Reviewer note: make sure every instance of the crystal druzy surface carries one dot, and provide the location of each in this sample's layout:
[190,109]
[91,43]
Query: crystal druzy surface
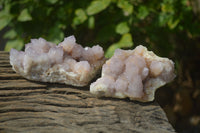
[133,73]
[67,62]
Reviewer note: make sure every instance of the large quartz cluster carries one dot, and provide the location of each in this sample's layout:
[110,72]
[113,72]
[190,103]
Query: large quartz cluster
[67,62]
[133,73]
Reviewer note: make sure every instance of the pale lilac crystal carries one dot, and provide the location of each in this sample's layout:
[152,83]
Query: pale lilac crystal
[77,52]
[55,54]
[66,63]
[156,67]
[98,52]
[82,67]
[135,74]
[68,43]
[16,58]
[121,84]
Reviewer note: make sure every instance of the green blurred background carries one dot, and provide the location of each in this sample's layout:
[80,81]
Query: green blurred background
[170,28]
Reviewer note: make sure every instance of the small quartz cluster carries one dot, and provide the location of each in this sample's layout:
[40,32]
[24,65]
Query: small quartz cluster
[133,73]
[67,62]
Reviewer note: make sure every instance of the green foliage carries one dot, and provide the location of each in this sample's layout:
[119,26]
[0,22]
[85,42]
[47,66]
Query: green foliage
[125,42]
[12,44]
[142,12]
[97,6]
[51,1]
[126,7]
[91,22]
[11,34]
[24,16]
[122,28]
[5,17]
[56,34]
[110,23]
[80,17]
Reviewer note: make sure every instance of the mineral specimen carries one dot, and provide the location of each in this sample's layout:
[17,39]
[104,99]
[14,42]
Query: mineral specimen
[133,73]
[67,63]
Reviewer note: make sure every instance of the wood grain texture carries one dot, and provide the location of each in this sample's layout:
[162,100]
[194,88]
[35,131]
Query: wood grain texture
[35,107]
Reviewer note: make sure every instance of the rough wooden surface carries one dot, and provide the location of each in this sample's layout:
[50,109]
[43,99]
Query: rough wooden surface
[34,107]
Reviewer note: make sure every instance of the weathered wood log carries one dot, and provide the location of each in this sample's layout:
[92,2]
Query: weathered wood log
[27,106]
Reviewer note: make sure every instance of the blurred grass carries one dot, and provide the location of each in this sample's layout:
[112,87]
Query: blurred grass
[171,28]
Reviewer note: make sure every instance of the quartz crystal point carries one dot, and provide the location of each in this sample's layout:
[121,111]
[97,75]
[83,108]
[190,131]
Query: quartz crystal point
[133,73]
[67,62]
